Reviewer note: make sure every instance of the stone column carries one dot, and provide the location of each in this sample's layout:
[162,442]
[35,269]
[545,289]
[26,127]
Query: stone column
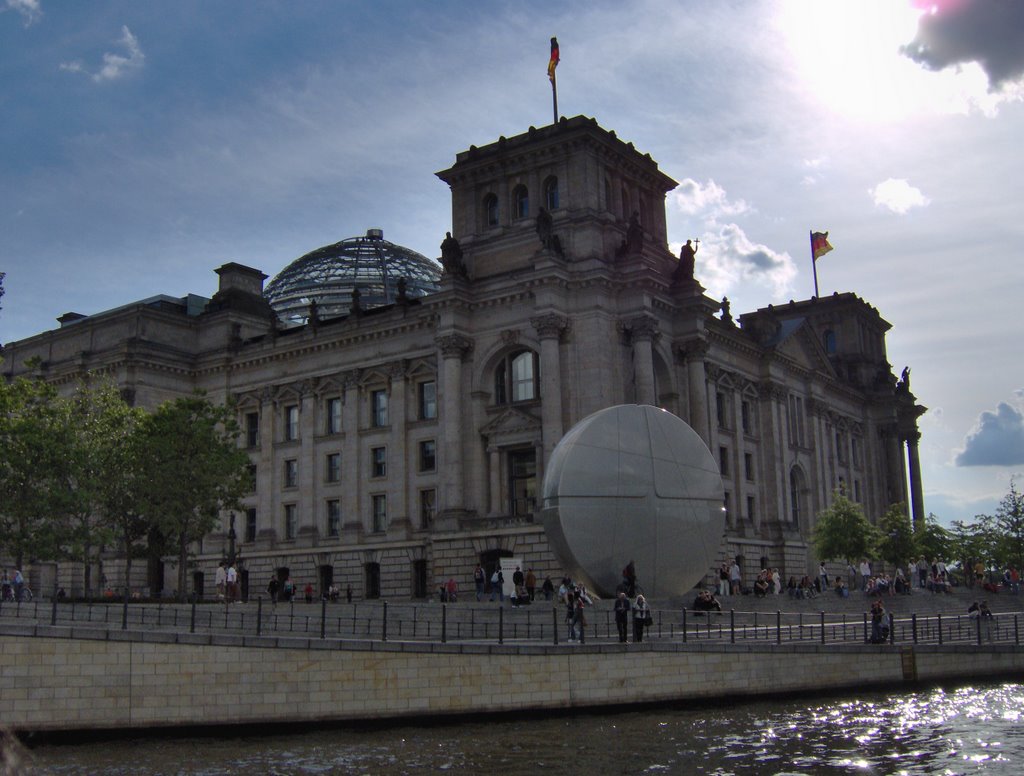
[307,506]
[643,332]
[454,349]
[398,454]
[694,351]
[494,500]
[549,329]
[916,488]
[352,475]
[267,508]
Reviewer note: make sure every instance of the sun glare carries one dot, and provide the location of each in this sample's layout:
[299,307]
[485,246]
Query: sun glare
[847,54]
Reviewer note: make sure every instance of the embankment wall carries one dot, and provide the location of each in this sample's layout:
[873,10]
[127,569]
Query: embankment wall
[56,679]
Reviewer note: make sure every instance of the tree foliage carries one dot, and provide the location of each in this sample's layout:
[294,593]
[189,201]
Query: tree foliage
[842,531]
[1008,526]
[896,540]
[934,542]
[191,468]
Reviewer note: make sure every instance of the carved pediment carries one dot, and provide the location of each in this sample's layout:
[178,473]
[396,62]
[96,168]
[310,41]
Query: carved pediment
[802,347]
[511,422]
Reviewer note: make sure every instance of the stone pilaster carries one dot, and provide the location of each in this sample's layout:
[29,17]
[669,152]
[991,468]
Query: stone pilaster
[643,331]
[454,349]
[550,328]
[694,351]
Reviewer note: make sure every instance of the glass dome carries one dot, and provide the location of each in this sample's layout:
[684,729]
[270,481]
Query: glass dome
[328,276]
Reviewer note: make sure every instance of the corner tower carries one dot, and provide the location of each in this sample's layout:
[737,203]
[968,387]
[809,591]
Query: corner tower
[572,189]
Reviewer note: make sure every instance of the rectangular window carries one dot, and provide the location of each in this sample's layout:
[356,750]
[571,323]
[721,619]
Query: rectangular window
[855,450]
[522,481]
[750,508]
[379,408]
[333,413]
[721,411]
[745,417]
[379,462]
[748,465]
[380,513]
[333,517]
[291,422]
[252,477]
[250,524]
[841,447]
[796,420]
[428,400]
[428,456]
[428,504]
[723,461]
[252,429]
[333,470]
[291,473]
[290,521]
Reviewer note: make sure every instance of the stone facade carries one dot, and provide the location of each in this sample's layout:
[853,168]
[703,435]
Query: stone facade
[398,446]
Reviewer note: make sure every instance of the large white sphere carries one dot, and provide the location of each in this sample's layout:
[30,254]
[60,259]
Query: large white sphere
[634,483]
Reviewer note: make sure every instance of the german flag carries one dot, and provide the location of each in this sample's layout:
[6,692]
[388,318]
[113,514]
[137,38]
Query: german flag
[553,62]
[819,244]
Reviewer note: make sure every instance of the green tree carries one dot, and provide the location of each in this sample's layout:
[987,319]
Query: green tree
[192,467]
[896,541]
[33,438]
[97,469]
[934,541]
[842,531]
[2,276]
[1008,528]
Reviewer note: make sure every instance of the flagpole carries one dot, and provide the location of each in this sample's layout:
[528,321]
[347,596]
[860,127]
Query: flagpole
[554,99]
[814,264]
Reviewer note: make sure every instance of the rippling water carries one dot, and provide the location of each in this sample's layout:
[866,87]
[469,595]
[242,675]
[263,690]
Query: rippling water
[976,729]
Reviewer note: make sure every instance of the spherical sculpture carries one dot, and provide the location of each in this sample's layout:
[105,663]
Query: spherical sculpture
[634,483]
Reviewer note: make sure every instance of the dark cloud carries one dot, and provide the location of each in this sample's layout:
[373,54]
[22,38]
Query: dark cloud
[989,32]
[998,439]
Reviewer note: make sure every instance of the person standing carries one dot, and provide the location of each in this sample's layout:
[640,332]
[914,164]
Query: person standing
[231,583]
[518,583]
[531,584]
[823,576]
[723,578]
[622,608]
[478,581]
[641,616]
[548,588]
[272,587]
[580,618]
[220,579]
[735,577]
[498,585]
[865,574]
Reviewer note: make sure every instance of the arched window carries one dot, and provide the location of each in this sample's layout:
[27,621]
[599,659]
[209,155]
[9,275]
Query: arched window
[516,378]
[797,491]
[520,202]
[551,193]
[491,210]
[830,342]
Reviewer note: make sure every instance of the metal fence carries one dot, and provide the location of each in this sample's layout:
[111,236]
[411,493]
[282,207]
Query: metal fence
[433,622]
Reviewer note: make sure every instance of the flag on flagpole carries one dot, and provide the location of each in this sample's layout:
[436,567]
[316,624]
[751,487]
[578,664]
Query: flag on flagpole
[553,62]
[819,244]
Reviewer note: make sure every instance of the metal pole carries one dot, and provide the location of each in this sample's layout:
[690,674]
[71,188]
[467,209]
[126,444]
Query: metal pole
[554,623]
[732,626]
[192,623]
[778,626]
[913,627]
[259,615]
[124,611]
[501,625]
[977,623]
[554,100]
[444,623]
[892,629]
[939,618]
[823,627]
[684,624]
[384,625]
[323,617]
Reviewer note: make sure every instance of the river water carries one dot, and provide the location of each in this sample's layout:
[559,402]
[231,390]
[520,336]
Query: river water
[955,730]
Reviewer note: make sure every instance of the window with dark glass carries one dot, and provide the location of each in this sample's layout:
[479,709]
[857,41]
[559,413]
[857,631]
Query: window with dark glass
[522,471]
[380,513]
[250,524]
[516,378]
[428,455]
[795,494]
[252,477]
[373,580]
[333,517]
[291,473]
[830,342]
[750,507]
[290,521]
[491,210]
[748,465]
[379,407]
[333,412]
[333,470]
[252,429]
[723,461]
[428,400]
[551,193]
[520,202]
[291,422]
[379,462]
[745,417]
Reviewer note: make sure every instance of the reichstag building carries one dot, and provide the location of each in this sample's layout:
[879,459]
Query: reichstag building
[399,411]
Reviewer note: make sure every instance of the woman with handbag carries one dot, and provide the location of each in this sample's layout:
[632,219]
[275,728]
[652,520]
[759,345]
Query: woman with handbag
[641,617]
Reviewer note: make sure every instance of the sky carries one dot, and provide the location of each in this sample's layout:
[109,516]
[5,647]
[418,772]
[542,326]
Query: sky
[142,145]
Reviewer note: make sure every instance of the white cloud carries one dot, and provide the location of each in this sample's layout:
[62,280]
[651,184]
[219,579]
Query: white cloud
[728,259]
[114,65]
[996,440]
[705,199]
[898,196]
[30,10]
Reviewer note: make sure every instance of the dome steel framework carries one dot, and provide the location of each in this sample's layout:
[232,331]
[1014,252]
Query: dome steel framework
[329,275]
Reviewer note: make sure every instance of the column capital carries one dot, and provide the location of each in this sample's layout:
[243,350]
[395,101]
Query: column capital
[454,345]
[350,378]
[642,327]
[396,369]
[692,350]
[550,325]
